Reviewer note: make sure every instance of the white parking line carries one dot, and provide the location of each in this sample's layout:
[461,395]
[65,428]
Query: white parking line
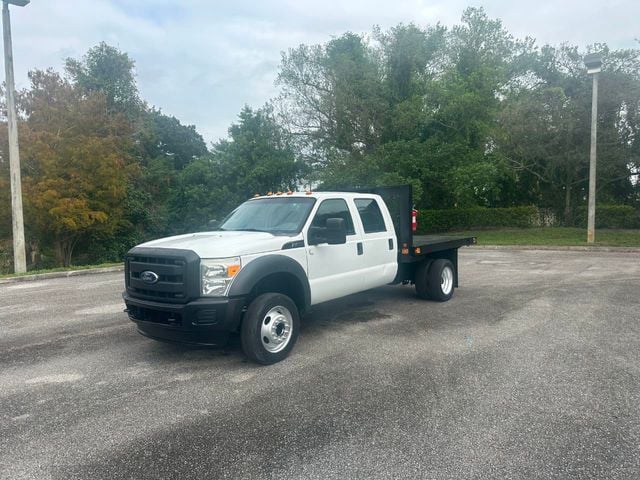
[25,285]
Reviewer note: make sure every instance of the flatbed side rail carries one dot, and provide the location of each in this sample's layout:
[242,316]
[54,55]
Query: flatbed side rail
[425,245]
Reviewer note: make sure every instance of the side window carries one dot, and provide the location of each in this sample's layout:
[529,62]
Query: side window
[371,216]
[334,208]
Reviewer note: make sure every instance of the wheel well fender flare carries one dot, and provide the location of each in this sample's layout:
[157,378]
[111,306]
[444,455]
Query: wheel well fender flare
[260,268]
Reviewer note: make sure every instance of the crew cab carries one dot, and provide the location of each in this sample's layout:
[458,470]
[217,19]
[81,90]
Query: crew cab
[273,258]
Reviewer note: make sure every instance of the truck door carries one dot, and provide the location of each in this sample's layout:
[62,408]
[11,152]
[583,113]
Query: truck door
[334,270]
[380,258]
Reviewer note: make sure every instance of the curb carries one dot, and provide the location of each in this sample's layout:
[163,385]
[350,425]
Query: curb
[120,268]
[68,273]
[559,248]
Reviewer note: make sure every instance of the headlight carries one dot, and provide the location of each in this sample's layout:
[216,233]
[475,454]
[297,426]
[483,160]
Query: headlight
[216,275]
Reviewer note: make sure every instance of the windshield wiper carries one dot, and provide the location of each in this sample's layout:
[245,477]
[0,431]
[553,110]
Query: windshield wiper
[246,230]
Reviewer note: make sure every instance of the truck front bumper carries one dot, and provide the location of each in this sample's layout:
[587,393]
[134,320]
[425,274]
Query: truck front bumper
[204,321]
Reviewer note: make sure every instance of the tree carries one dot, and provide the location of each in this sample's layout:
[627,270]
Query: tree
[161,144]
[546,125]
[198,196]
[334,95]
[418,106]
[107,70]
[257,158]
[463,102]
[411,57]
[164,136]
[344,104]
[74,157]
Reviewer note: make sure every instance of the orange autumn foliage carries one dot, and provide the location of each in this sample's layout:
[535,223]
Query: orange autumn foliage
[75,156]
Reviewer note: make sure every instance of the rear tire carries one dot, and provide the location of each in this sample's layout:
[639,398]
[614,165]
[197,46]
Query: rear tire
[270,328]
[420,279]
[435,280]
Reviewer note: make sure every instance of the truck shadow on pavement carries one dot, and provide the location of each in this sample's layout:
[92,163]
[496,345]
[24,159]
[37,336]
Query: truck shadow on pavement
[358,308]
[385,312]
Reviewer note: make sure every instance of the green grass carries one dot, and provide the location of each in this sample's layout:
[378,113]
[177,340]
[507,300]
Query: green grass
[554,236]
[60,269]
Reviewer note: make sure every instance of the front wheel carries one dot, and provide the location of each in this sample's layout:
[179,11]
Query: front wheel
[435,280]
[270,328]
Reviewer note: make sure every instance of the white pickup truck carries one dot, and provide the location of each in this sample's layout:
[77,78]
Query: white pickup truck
[274,257]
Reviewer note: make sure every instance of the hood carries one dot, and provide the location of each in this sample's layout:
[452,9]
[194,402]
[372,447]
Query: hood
[222,244]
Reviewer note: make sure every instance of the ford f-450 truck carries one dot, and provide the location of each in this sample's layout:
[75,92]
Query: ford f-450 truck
[274,257]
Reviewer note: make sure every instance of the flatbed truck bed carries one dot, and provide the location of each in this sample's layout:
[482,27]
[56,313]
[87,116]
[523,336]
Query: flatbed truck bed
[426,244]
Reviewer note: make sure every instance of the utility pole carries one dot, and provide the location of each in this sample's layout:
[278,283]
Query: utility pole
[19,255]
[593,63]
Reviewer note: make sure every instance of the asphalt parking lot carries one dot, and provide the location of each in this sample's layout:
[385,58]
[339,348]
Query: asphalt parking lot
[532,370]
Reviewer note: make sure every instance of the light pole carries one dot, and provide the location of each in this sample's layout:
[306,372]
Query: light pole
[19,256]
[593,62]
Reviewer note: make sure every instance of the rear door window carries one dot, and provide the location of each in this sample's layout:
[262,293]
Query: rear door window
[370,214]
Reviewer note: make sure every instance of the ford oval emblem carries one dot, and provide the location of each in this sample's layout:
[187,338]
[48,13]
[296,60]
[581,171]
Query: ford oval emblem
[149,277]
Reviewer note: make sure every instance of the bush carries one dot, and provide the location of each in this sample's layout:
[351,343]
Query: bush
[430,221]
[609,216]
[6,256]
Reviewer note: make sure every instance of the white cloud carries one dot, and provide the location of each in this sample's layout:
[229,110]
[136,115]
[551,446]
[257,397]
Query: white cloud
[202,61]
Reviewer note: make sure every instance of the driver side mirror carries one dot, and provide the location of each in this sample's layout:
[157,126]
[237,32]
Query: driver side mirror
[336,231]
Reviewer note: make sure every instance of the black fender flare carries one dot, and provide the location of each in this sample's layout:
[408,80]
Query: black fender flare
[261,267]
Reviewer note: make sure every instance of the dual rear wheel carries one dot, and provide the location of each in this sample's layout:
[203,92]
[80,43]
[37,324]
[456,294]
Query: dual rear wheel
[435,280]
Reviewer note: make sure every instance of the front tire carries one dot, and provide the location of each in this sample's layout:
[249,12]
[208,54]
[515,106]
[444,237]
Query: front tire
[435,280]
[270,328]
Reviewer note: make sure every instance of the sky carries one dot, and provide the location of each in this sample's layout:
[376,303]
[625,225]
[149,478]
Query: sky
[202,61]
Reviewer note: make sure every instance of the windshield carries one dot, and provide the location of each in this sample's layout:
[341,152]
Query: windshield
[280,216]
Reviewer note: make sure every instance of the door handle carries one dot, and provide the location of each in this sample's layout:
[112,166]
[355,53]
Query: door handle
[360,249]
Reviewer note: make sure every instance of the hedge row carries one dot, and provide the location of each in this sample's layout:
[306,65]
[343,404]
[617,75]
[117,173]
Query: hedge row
[607,216]
[430,221]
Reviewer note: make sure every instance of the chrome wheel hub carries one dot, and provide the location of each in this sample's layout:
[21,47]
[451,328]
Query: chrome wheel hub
[275,331]
[446,280]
